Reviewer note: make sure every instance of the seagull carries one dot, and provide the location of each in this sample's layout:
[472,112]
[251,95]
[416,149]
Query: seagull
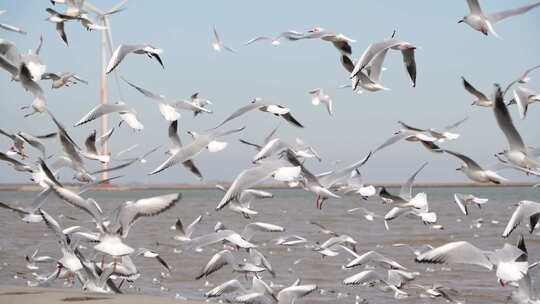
[291,240]
[481,99]
[355,185]
[177,146]
[523,79]
[168,110]
[484,23]
[518,153]
[153,255]
[288,35]
[223,258]
[127,114]
[30,214]
[370,81]
[440,136]
[69,260]
[526,211]
[63,79]
[217,44]
[290,294]
[184,235]
[32,260]
[91,150]
[242,204]
[258,287]
[257,103]
[523,97]
[393,281]
[318,96]
[510,262]
[253,176]
[125,49]
[340,41]
[191,150]
[276,145]
[412,135]
[24,68]
[199,102]
[463,200]
[17,165]
[474,172]
[21,138]
[440,291]
[370,54]
[11,28]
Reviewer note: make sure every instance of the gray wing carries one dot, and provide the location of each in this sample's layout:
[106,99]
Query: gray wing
[474,7]
[13,161]
[473,90]
[12,28]
[145,92]
[410,63]
[90,143]
[185,153]
[406,189]
[523,78]
[394,139]
[33,141]
[504,120]
[119,55]
[246,179]
[339,175]
[371,52]
[496,17]
[456,124]
[102,109]
[455,252]
[243,110]
[173,134]
[347,63]
[467,160]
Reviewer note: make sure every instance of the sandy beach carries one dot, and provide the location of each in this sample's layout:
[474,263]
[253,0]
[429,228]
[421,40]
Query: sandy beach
[34,295]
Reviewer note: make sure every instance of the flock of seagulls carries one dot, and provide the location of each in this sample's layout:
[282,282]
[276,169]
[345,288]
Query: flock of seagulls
[107,258]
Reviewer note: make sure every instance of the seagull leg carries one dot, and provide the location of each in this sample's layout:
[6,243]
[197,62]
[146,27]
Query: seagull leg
[102,261]
[121,283]
[317,201]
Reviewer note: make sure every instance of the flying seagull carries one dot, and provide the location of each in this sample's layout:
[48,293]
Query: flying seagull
[483,23]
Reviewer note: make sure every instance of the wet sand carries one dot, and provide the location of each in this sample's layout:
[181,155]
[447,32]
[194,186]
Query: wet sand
[35,295]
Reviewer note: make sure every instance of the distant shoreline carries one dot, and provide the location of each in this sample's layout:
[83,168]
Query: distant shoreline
[210,186]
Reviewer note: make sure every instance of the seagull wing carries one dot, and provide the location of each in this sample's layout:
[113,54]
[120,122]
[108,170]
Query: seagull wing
[217,261]
[496,17]
[250,107]
[504,120]
[102,109]
[474,7]
[456,252]
[290,294]
[119,55]
[406,189]
[467,160]
[156,205]
[473,90]
[459,199]
[145,92]
[227,287]
[251,228]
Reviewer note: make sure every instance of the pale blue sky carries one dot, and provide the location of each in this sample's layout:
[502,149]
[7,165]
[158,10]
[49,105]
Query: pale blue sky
[283,75]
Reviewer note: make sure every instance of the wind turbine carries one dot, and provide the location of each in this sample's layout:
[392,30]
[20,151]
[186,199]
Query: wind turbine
[106,52]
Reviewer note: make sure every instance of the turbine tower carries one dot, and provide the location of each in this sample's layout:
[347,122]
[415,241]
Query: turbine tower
[106,52]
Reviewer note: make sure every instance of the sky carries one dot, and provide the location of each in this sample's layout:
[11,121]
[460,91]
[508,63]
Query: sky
[283,75]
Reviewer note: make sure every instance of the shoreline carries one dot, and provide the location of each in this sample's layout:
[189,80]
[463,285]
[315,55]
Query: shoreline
[41,295]
[211,186]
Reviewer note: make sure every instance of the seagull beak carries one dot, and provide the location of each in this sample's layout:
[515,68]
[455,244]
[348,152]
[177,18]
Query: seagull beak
[460,21]
[458,169]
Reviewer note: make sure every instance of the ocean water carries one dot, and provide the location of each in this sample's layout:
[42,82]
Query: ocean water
[292,209]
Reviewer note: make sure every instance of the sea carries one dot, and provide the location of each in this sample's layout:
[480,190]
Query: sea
[292,209]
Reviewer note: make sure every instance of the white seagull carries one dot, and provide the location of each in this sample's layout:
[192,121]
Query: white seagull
[483,23]
[124,49]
